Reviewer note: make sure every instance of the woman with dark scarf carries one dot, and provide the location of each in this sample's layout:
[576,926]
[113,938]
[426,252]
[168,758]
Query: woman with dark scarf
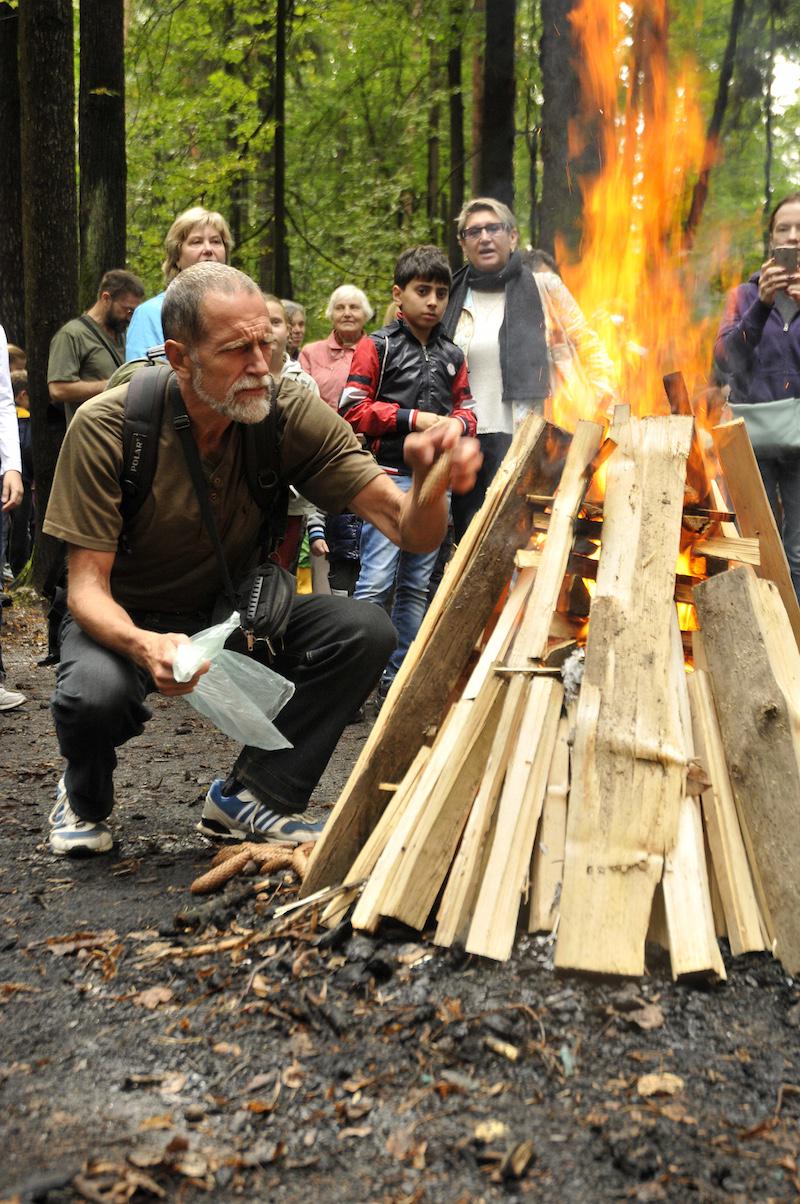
[510,325]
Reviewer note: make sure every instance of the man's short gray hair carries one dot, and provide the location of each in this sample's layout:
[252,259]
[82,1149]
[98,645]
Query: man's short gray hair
[349,292]
[181,315]
[503,212]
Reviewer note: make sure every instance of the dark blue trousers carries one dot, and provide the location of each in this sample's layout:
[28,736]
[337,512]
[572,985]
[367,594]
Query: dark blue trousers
[334,651]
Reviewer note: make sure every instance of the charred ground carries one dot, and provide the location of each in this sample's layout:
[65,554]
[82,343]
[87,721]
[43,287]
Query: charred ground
[155,1045]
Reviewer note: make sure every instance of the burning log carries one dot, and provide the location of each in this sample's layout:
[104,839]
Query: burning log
[757,696]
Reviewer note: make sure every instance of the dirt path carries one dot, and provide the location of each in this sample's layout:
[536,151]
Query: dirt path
[157,1051]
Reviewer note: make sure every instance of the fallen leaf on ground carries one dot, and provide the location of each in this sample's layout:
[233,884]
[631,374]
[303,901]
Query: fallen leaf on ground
[293,1076]
[152,997]
[490,1130]
[145,1156]
[363,1131]
[61,946]
[678,1113]
[259,986]
[172,1084]
[659,1084]
[191,1164]
[7,989]
[162,1121]
[646,1017]
[401,1143]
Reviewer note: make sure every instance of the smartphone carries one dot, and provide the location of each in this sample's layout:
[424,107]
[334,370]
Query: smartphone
[786,257]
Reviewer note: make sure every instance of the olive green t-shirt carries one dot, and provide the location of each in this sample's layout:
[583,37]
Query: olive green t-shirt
[171,565]
[78,352]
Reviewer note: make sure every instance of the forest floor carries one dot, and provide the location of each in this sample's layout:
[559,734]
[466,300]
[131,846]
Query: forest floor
[157,1047]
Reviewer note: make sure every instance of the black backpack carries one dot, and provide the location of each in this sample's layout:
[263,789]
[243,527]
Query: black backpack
[144,409]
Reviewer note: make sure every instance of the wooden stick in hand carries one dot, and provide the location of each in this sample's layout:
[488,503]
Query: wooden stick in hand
[437,480]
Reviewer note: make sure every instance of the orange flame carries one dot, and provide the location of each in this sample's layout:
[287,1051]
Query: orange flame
[633,281]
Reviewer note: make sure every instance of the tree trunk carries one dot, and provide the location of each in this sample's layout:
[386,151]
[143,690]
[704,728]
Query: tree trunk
[434,139]
[700,190]
[101,126]
[768,120]
[50,220]
[498,127]
[265,155]
[12,294]
[238,179]
[560,208]
[479,10]
[457,151]
[282,281]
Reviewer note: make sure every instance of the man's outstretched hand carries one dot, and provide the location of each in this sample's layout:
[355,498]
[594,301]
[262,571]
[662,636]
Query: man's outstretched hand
[423,448]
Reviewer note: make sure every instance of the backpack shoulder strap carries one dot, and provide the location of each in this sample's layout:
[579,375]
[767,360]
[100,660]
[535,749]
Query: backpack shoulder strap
[141,428]
[262,462]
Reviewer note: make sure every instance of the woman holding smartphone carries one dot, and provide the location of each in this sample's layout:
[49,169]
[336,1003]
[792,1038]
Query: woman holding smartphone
[757,354]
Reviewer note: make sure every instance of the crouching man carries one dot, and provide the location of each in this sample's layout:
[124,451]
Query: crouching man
[133,600]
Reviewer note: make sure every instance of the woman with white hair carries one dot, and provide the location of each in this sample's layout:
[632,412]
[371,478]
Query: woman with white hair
[328,360]
[195,236]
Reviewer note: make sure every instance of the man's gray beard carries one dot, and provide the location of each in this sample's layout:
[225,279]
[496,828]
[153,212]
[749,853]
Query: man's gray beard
[250,411]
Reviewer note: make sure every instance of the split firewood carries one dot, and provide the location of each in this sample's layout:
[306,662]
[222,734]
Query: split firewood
[693,946]
[547,864]
[757,701]
[267,858]
[417,856]
[474,580]
[530,642]
[629,762]
[458,899]
[376,842]
[728,855]
[494,920]
[754,515]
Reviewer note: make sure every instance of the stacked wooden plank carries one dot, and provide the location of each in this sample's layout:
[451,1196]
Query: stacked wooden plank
[653,802]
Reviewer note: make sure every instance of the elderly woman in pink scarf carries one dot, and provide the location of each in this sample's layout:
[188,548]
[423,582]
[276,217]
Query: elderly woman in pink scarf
[328,360]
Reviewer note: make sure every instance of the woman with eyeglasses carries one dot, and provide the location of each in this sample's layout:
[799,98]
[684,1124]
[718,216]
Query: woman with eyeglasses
[508,322]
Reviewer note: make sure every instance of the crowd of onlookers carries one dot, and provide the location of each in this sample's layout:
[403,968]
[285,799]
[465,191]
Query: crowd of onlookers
[480,349]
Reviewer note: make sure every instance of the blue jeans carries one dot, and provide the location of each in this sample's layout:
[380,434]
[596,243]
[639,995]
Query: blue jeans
[383,565]
[466,505]
[781,477]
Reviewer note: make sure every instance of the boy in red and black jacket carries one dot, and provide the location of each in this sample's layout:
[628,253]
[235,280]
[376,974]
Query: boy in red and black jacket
[405,378]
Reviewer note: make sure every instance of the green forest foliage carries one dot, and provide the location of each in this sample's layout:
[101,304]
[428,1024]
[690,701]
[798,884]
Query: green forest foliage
[366,94]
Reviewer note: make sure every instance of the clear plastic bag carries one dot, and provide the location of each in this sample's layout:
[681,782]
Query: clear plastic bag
[237,694]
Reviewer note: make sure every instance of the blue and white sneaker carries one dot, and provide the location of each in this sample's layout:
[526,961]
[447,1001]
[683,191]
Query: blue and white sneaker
[238,816]
[71,836]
